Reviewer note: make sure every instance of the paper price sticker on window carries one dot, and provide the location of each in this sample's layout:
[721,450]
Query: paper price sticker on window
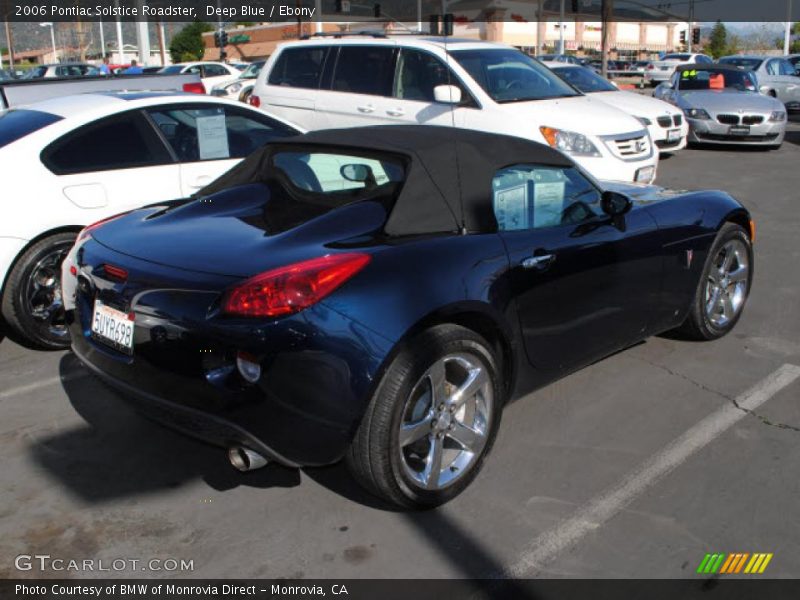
[548,203]
[212,137]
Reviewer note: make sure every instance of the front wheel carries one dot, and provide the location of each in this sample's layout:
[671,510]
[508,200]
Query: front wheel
[431,421]
[724,286]
[32,304]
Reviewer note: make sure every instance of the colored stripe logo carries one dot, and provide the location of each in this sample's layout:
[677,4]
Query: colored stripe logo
[735,563]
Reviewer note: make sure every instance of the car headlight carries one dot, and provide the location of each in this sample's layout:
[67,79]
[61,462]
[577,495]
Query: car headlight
[696,113]
[234,87]
[777,115]
[644,121]
[570,142]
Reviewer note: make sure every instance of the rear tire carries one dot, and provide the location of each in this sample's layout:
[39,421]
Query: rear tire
[32,304]
[420,443]
[723,287]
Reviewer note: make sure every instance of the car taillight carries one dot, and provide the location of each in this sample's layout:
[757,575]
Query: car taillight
[255,100]
[86,231]
[290,289]
[196,87]
[650,67]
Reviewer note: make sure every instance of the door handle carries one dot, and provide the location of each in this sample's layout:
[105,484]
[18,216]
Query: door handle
[540,262]
[366,108]
[395,112]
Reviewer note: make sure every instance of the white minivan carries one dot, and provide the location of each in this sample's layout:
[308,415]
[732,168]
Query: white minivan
[324,83]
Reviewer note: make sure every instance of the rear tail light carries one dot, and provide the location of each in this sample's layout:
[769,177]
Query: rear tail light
[255,100]
[650,67]
[290,289]
[87,231]
[196,87]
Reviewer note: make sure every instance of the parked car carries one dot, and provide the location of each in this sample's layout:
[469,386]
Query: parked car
[777,77]
[85,157]
[659,71]
[723,106]
[322,84]
[795,60]
[665,123]
[562,58]
[242,87]
[6,75]
[379,294]
[211,73]
[61,70]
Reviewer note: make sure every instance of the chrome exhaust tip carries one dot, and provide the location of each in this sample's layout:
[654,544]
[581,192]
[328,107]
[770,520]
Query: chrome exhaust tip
[244,459]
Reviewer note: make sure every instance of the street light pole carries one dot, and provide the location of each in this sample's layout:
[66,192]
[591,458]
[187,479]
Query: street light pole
[690,33]
[787,41]
[561,30]
[52,38]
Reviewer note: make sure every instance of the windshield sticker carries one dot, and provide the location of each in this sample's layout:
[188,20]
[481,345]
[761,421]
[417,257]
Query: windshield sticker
[548,203]
[511,208]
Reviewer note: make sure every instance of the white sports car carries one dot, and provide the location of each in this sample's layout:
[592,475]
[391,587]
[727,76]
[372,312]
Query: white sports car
[79,159]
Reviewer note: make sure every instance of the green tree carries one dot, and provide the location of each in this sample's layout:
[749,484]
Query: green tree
[187,45]
[794,47]
[718,41]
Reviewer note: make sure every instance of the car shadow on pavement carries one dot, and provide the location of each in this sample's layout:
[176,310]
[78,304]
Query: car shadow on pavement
[120,453]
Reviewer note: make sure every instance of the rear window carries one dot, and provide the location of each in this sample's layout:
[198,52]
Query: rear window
[745,63]
[17,123]
[299,67]
[172,70]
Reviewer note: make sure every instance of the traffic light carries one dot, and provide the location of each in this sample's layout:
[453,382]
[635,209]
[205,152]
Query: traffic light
[448,24]
[696,35]
[435,23]
[221,38]
[574,6]
[683,37]
[377,11]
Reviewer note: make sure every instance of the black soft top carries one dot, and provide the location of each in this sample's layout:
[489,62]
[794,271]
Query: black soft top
[449,170]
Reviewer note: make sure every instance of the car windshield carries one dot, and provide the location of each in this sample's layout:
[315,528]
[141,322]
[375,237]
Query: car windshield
[585,79]
[172,70]
[251,72]
[17,123]
[35,73]
[717,79]
[510,76]
[677,57]
[746,63]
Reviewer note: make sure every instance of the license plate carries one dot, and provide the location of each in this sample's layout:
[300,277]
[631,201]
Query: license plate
[112,327]
[739,130]
[673,135]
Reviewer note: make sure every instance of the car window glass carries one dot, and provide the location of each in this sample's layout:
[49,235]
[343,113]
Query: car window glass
[120,142]
[533,197]
[418,73]
[16,123]
[299,67]
[585,79]
[194,70]
[215,71]
[215,133]
[786,68]
[704,59]
[352,74]
[322,172]
[773,67]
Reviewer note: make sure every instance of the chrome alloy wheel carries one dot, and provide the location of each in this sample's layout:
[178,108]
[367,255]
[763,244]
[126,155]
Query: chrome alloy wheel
[446,421]
[42,292]
[726,288]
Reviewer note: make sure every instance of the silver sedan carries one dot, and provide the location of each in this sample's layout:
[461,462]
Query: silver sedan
[776,76]
[723,106]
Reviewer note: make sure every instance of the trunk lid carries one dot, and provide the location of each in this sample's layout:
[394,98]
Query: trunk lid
[237,232]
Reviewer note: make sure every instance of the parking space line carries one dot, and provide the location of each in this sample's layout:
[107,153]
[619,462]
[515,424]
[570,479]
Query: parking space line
[23,389]
[604,507]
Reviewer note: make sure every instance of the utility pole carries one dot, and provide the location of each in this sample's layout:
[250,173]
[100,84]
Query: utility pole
[161,46]
[561,30]
[102,40]
[690,33]
[787,41]
[606,12]
[120,46]
[10,40]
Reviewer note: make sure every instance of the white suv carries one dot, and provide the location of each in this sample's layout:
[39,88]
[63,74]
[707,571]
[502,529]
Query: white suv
[325,83]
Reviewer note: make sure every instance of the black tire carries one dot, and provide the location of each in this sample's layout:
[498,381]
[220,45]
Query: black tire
[374,457]
[17,295]
[699,325]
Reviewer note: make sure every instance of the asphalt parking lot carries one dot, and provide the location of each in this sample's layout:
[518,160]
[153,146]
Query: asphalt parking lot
[634,467]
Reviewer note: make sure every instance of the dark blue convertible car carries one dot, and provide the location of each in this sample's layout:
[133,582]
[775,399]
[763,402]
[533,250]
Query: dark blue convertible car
[379,294]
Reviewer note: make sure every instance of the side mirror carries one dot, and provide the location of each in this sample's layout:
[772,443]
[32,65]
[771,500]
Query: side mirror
[447,94]
[615,204]
[356,172]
